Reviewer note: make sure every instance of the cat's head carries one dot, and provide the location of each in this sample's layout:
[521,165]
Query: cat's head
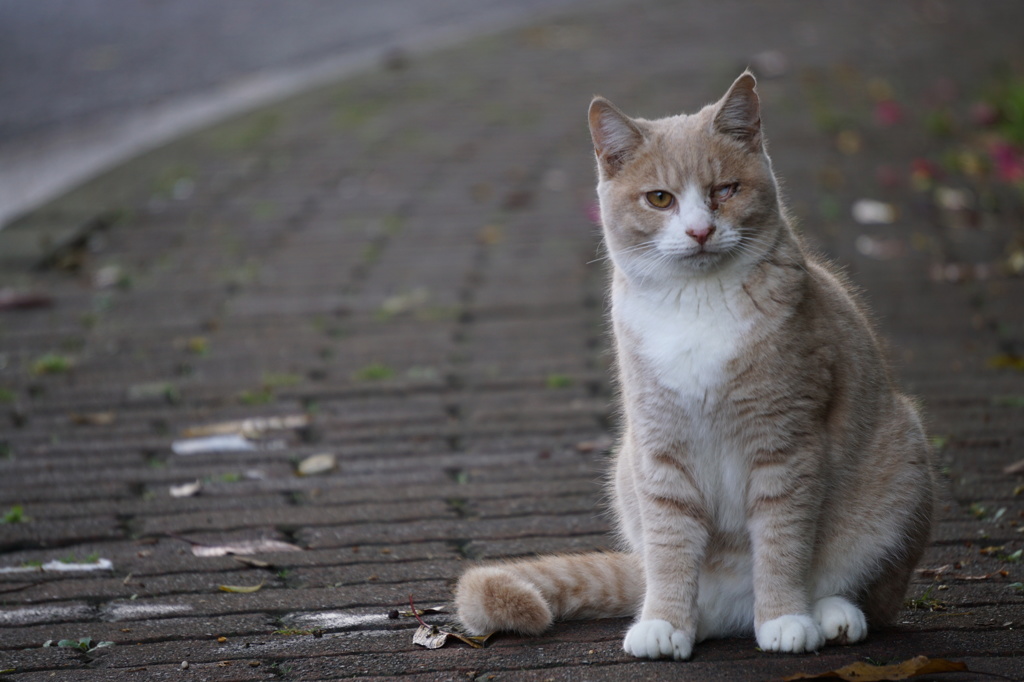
[687,195]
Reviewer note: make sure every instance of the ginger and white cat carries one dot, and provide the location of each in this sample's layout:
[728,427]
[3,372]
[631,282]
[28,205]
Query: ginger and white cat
[770,478]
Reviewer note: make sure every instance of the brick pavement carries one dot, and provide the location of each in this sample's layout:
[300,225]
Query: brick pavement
[405,257]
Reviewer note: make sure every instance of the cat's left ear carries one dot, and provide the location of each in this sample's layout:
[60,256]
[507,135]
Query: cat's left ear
[739,112]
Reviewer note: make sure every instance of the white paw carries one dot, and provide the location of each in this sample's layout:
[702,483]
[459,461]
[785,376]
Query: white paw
[657,639]
[793,634]
[842,622]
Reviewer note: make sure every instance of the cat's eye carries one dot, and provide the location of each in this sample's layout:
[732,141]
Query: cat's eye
[723,192]
[659,198]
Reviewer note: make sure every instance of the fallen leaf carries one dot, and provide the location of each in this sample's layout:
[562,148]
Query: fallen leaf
[598,445]
[107,276]
[865,672]
[873,212]
[430,636]
[1006,361]
[93,418]
[15,300]
[475,641]
[422,612]
[241,589]
[186,489]
[225,443]
[244,547]
[1015,468]
[249,427]
[255,563]
[879,249]
[317,464]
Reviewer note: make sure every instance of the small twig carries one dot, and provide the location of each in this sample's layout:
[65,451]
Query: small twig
[414,613]
[22,587]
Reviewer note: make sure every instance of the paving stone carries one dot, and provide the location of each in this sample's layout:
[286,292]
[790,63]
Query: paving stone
[409,258]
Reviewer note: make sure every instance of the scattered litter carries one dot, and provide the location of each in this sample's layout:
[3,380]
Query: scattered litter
[94,418]
[1015,468]
[241,589]
[250,428]
[866,672]
[244,547]
[433,637]
[186,489]
[107,276]
[225,443]
[23,300]
[943,572]
[317,464]
[403,303]
[57,566]
[601,444]
[873,212]
[952,199]
[879,249]
[420,612]
[430,636]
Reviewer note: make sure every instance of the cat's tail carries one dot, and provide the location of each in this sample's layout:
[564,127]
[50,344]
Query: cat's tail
[527,596]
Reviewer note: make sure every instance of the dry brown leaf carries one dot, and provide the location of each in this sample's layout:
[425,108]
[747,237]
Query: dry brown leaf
[242,589]
[93,418]
[475,641]
[865,672]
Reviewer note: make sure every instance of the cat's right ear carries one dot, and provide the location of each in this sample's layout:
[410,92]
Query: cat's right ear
[615,136]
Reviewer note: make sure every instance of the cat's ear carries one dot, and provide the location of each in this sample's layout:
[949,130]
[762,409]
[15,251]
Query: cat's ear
[739,112]
[616,136]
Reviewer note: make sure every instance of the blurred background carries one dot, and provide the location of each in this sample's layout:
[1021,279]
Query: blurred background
[363,236]
[86,84]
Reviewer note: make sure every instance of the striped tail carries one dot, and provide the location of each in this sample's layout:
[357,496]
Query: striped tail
[527,596]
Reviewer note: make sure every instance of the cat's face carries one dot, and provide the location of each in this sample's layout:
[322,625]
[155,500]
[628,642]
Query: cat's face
[687,195]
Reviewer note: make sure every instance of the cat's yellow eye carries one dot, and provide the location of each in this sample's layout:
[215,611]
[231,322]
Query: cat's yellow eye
[659,198]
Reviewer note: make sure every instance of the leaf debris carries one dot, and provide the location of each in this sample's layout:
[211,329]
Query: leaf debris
[866,672]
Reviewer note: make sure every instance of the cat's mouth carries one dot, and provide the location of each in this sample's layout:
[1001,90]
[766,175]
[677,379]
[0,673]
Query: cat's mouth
[696,254]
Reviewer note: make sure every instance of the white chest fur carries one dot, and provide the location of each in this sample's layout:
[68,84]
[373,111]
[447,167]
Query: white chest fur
[686,336]
[687,339]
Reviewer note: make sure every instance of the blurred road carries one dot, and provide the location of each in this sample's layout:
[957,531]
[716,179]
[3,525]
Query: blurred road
[85,84]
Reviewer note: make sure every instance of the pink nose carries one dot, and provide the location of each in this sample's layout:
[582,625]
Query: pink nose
[701,234]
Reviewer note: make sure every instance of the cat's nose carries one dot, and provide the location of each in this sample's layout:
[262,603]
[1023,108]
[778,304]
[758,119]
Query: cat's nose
[701,234]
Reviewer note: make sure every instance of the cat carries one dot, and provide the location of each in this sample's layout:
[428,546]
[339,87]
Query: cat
[770,479]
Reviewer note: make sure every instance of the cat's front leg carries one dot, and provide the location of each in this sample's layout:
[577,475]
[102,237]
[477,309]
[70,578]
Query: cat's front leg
[675,526]
[783,504]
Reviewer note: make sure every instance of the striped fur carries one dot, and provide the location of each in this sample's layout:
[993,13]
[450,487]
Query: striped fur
[770,479]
